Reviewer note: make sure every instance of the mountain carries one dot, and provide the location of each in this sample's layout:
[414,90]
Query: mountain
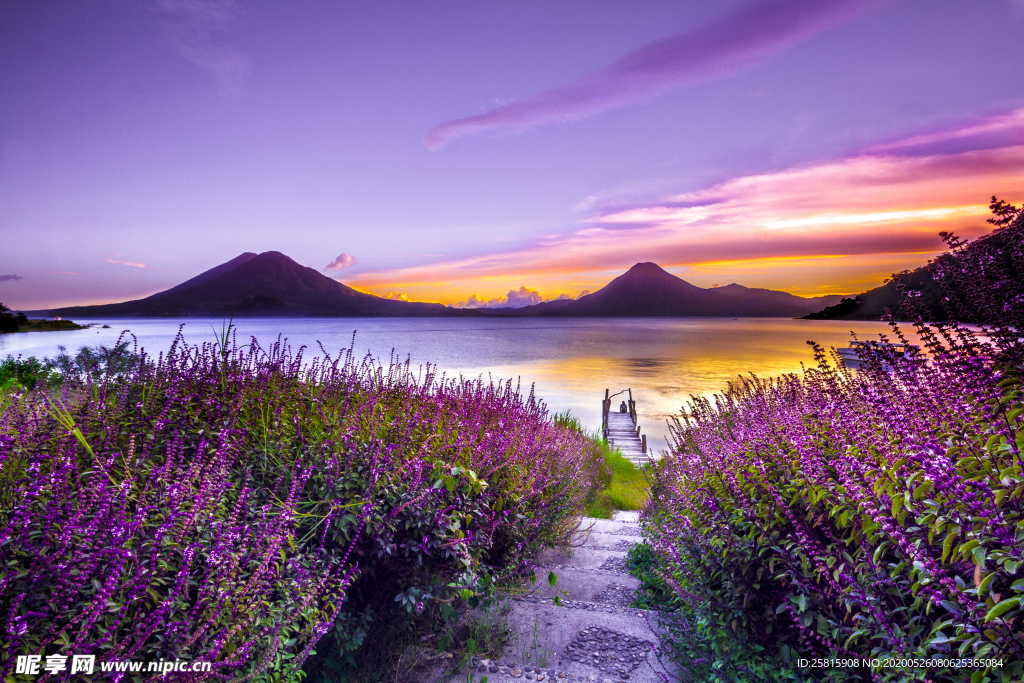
[647,289]
[267,284]
[271,284]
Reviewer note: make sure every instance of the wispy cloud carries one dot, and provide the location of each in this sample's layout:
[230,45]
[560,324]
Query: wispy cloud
[10,277]
[709,51]
[130,264]
[883,201]
[990,132]
[195,29]
[342,260]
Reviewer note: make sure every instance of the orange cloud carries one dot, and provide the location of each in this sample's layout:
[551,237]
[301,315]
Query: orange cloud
[785,229]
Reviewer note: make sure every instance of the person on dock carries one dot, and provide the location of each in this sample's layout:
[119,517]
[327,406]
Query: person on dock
[622,407]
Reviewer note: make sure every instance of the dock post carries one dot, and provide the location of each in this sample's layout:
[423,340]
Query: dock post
[605,407]
[643,444]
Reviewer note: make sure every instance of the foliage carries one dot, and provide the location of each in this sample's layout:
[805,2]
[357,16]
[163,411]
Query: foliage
[111,362]
[9,320]
[708,652]
[654,592]
[245,505]
[18,373]
[870,514]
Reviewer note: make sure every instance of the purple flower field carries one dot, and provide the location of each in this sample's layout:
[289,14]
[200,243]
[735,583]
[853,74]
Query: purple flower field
[869,514]
[237,505]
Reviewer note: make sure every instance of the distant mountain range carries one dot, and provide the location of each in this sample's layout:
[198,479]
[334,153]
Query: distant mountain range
[647,289]
[271,284]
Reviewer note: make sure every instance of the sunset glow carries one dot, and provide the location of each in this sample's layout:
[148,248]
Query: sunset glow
[835,227]
[471,157]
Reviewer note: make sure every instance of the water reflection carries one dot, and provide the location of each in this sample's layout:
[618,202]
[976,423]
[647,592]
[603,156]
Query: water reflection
[571,361]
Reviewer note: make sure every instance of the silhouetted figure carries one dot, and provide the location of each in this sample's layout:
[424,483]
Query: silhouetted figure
[622,407]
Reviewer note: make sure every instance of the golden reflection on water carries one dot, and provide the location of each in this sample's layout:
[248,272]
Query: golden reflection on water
[668,366]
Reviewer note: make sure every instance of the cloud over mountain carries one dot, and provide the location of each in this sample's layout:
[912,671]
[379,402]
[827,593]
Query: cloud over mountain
[342,260]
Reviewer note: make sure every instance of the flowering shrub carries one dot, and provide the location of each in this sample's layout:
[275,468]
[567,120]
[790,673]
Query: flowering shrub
[869,514]
[233,503]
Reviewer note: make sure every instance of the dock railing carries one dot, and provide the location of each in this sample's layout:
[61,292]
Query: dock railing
[606,408]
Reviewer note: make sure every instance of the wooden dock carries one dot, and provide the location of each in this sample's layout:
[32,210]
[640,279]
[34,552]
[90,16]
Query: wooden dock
[619,427]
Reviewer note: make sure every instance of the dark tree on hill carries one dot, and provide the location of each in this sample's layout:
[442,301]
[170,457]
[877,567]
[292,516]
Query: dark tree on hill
[983,281]
[1003,213]
[8,320]
[979,281]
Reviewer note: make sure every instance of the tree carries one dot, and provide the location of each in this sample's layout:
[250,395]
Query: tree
[1003,213]
[8,320]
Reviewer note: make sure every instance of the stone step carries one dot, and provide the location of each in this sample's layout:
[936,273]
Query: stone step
[588,645]
[590,559]
[581,628]
[581,585]
[601,540]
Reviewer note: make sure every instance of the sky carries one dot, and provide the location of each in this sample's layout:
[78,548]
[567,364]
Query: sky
[502,152]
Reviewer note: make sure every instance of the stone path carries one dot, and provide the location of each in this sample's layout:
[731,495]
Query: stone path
[581,628]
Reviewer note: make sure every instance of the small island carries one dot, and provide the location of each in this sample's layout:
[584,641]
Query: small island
[11,321]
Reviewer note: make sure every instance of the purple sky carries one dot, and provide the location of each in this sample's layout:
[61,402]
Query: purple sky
[401,143]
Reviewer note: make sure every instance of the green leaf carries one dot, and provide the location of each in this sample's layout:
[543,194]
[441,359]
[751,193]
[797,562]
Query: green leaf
[986,583]
[552,578]
[1002,608]
[853,636]
[967,547]
[879,550]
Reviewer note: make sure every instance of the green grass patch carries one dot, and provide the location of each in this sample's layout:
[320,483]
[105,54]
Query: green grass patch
[623,485]
[626,490]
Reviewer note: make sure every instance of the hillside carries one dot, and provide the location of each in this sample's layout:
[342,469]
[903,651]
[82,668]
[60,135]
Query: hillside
[267,284]
[977,281]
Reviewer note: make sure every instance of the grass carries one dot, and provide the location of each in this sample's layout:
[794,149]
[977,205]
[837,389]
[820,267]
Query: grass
[626,484]
[627,489]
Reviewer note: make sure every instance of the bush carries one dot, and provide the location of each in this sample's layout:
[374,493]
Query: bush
[26,373]
[9,320]
[234,504]
[876,514]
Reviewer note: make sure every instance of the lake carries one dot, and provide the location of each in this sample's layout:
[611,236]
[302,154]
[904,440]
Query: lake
[570,361]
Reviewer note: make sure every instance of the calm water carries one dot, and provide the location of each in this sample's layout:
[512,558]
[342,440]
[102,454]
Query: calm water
[570,361]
